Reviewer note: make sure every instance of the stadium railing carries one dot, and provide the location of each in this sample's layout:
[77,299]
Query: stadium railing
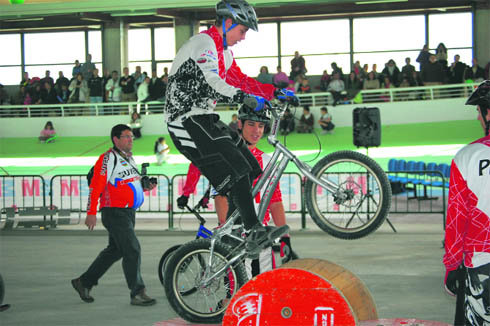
[383,95]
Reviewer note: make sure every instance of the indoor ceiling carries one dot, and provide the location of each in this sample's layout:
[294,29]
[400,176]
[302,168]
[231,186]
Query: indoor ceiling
[49,14]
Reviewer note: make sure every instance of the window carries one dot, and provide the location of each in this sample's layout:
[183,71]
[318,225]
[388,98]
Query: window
[10,75]
[54,48]
[380,58]
[316,64]
[251,66]
[139,44]
[95,45]
[10,55]
[164,43]
[258,44]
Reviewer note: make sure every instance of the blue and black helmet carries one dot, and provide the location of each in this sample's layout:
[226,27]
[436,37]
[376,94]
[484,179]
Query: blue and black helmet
[239,11]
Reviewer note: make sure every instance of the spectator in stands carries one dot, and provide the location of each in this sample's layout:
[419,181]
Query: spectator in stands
[264,76]
[297,82]
[298,66]
[392,72]
[64,94]
[324,81]
[96,90]
[357,69]
[432,73]
[20,96]
[35,93]
[234,122]
[161,150]
[353,85]
[305,87]
[364,72]
[48,94]
[127,86]
[474,73]
[371,82]
[423,57]
[4,96]
[139,78]
[291,86]
[135,124]
[113,89]
[106,77]
[441,55]
[386,84]
[286,125]
[47,133]
[60,81]
[306,121]
[456,71]
[281,80]
[87,68]
[156,88]
[407,69]
[337,69]
[165,72]
[375,71]
[25,79]
[47,79]
[325,121]
[76,70]
[336,87]
[79,92]
[144,91]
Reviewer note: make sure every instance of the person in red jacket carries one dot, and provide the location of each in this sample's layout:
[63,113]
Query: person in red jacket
[203,73]
[467,238]
[116,183]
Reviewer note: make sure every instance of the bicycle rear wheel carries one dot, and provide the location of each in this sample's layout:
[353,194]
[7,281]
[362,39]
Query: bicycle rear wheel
[164,260]
[361,202]
[185,292]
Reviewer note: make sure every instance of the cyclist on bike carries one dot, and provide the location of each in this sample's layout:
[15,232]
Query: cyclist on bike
[203,73]
[251,127]
[467,239]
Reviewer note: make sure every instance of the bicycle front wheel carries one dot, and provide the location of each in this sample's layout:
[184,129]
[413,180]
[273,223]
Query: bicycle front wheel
[189,297]
[361,201]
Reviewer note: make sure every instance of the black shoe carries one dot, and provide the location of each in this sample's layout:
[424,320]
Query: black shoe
[261,237]
[142,299]
[83,292]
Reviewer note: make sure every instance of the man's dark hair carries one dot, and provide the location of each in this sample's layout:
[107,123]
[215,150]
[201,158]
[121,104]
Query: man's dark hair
[117,130]
[307,108]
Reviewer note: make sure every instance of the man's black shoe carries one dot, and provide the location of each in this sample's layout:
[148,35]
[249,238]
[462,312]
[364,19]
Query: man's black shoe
[261,237]
[142,299]
[83,292]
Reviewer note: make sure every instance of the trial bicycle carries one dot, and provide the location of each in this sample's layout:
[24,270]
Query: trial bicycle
[347,195]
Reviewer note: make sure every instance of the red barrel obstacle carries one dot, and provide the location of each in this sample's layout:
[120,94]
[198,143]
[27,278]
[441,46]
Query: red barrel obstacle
[302,292]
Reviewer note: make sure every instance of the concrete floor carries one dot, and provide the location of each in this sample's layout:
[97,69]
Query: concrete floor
[402,270]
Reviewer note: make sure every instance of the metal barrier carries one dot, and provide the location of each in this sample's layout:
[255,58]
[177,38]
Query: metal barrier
[313,99]
[27,196]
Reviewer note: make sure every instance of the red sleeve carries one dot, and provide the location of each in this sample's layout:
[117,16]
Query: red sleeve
[236,78]
[99,181]
[456,219]
[193,175]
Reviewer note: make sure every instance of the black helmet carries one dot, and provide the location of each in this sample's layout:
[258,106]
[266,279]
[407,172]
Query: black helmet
[481,95]
[239,11]
[246,113]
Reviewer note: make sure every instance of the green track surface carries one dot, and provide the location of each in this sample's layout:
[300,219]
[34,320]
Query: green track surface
[443,133]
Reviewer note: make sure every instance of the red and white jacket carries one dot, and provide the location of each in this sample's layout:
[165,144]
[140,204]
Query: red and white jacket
[116,182]
[193,175]
[204,73]
[468,214]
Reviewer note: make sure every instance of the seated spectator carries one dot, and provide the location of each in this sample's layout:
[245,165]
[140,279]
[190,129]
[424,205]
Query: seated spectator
[62,80]
[325,121]
[324,81]
[286,125]
[291,86]
[135,124]
[281,80]
[306,121]
[337,69]
[264,77]
[48,134]
[143,91]
[161,150]
[371,82]
[475,73]
[386,84]
[78,90]
[304,88]
[336,87]
[64,94]
[48,94]
[35,92]
[364,73]
[392,72]
[353,85]
[234,122]
[20,96]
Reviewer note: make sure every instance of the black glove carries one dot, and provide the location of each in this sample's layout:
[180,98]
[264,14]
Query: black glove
[451,282]
[182,201]
[286,95]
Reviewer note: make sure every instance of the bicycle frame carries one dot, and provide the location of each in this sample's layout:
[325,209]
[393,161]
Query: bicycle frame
[271,176]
